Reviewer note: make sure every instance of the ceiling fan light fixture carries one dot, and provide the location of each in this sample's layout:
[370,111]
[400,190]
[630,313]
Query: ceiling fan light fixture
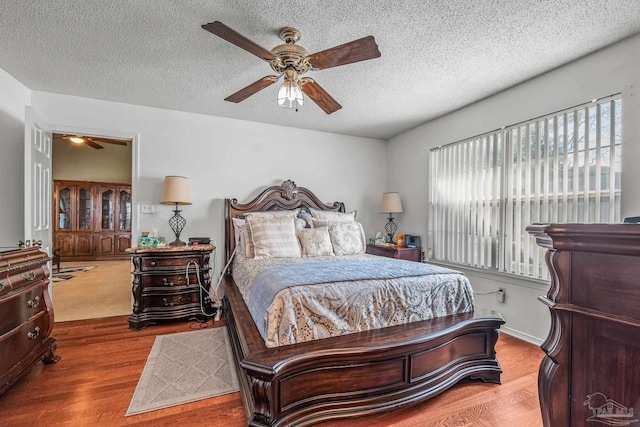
[290,95]
[76,139]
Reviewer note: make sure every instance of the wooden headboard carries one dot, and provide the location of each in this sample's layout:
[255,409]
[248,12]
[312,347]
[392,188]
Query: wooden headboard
[286,196]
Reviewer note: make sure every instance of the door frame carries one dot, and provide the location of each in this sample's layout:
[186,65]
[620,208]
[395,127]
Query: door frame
[135,161]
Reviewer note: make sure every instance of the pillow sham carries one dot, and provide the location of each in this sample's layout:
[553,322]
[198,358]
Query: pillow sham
[273,214]
[315,242]
[333,216]
[274,237]
[347,238]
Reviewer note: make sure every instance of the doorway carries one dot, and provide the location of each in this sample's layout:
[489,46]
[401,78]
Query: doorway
[86,287]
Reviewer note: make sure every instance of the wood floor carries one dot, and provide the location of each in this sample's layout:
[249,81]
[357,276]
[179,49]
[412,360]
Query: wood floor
[102,361]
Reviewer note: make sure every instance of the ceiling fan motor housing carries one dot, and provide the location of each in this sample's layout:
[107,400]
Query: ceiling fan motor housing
[290,55]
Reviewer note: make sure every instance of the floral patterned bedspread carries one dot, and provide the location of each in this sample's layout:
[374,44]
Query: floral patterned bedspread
[313,311]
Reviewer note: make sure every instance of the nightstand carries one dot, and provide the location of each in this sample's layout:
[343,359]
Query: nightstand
[162,287]
[409,254]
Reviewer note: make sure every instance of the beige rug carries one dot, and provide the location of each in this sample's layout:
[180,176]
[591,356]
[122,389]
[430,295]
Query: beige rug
[183,368]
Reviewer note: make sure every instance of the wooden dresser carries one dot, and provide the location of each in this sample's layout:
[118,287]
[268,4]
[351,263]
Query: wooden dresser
[162,288]
[26,314]
[409,254]
[591,372]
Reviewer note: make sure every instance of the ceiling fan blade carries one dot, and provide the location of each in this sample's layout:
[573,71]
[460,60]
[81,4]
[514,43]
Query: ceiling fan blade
[222,31]
[320,96]
[246,92]
[107,141]
[93,144]
[355,51]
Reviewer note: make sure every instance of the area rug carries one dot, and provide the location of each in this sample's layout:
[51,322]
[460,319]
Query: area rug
[183,368]
[69,273]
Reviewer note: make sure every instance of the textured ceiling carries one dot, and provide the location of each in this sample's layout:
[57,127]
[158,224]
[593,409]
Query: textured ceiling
[437,56]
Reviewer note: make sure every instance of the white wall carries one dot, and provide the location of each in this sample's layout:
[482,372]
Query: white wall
[14,96]
[609,71]
[228,158]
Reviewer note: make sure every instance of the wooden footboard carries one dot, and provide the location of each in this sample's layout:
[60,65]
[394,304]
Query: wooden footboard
[357,374]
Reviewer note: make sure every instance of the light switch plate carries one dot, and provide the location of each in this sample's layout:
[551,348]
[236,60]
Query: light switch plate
[147,208]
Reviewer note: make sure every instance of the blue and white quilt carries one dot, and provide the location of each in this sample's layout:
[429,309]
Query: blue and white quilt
[294,300]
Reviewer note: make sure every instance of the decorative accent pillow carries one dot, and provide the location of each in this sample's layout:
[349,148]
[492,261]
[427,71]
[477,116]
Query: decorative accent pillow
[243,240]
[334,216]
[315,242]
[306,217]
[347,238]
[274,237]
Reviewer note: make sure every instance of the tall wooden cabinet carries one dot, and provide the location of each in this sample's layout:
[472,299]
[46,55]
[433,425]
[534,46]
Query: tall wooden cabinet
[92,220]
[591,372]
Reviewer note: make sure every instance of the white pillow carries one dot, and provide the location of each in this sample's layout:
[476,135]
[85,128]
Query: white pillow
[274,237]
[333,216]
[315,242]
[347,238]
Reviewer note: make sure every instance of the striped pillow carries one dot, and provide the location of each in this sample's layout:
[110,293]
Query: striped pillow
[274,237]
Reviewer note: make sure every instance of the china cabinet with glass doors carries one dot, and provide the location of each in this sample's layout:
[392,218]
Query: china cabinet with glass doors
[92,220]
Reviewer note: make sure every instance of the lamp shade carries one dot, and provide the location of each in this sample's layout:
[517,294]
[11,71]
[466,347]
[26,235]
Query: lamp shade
[176,191]
[391,203]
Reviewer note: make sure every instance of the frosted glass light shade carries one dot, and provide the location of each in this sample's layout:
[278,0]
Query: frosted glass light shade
[391,203]
[290,95]
[176,191]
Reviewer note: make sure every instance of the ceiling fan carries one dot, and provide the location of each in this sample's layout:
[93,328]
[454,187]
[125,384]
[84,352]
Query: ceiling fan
[90,141]
[292,61]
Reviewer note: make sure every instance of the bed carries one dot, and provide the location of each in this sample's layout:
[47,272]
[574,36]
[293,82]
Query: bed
[307,382]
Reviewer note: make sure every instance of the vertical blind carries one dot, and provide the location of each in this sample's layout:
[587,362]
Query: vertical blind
[484,191]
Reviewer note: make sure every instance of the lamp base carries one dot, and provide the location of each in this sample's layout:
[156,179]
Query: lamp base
[177,242]
[390,227]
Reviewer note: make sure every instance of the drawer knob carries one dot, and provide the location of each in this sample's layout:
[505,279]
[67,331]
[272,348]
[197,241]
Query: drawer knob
[181,281]
[28,276]
[34,334]
[152,263]
[169,303]
[33,302]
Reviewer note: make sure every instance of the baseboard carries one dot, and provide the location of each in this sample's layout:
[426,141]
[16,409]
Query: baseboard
[521,335]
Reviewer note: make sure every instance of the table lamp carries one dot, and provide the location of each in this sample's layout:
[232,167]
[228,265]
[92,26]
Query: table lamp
[176,191]
[391,204]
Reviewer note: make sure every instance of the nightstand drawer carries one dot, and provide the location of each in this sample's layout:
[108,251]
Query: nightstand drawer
[166,282]
[177,263]
[171,301]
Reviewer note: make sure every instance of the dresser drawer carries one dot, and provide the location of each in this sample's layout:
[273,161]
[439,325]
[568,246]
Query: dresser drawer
[153,282]
[17,343]
[176,263]
[22,304]
[16,278]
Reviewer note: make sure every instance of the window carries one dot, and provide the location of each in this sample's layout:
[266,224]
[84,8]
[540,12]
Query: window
[484,191]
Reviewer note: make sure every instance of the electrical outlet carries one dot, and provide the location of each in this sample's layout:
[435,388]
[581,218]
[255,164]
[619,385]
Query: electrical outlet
[501,294]
[147,208]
